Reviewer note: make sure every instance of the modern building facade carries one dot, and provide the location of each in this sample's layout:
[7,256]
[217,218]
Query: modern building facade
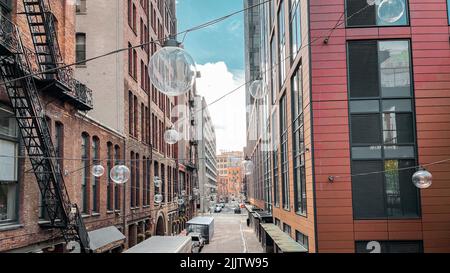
[357,100]
[207,171]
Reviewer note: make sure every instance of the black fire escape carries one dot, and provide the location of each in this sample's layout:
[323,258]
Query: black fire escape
[18,62]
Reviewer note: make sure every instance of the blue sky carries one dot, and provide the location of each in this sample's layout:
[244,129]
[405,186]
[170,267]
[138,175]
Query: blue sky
[220,42]
[218,51]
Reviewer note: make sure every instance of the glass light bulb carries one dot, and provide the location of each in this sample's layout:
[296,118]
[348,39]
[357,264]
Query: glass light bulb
[120,174]
[158,198]
[183,193]
[247,166]
[373,2]
[180,201]
[171,136]
[172,71]
[157,182]
[98,170]
[258,89]
[390,11]
[422,179]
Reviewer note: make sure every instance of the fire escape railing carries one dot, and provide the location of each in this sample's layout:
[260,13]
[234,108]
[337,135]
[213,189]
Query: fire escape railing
[25,101]
[48,56]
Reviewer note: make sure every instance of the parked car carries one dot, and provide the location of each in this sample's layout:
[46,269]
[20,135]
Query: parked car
[218,209]
[198,241]
[222,205]
[237,210]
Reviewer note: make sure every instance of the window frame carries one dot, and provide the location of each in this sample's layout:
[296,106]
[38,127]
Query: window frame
[407,13]
[18,165]
[383,159]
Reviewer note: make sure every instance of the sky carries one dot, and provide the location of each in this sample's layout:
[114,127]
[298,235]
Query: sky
[219,54]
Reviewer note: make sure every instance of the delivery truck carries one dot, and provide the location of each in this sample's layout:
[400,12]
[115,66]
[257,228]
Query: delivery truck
[203,225]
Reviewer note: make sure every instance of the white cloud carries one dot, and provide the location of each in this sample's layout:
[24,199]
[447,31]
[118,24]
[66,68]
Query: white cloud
[228,114]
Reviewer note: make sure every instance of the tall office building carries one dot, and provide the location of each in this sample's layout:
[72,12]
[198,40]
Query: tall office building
[356,100]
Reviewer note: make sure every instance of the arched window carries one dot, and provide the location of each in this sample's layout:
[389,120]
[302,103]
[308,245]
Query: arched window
[95,180]
[110,186]
[85,172]
[116,186]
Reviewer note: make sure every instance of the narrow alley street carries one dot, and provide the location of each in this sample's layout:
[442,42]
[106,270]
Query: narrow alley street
[231,235]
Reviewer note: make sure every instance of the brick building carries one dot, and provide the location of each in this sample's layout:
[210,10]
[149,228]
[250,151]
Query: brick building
[138,110]
[24,220]
[230,177]
[349,114]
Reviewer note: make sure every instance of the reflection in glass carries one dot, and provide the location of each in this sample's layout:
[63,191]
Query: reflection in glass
[393,199]
[394,64]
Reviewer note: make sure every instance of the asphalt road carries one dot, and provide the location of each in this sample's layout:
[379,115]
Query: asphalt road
[231,234]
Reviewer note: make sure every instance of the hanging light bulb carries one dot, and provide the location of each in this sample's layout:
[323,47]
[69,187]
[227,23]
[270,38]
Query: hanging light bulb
[120,174]
[183,193]
[171,136]
[98,170]
[258,89]
[180,201]
[172,70]
[422,179]
[247,166]
[373,2]
[158,198]
[195,190]
[157,182]
[390,11]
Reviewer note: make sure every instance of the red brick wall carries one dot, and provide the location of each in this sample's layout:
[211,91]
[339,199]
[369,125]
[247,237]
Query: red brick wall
[429,33]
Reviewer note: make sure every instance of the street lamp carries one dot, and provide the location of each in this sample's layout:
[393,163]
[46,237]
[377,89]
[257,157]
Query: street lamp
[172,70]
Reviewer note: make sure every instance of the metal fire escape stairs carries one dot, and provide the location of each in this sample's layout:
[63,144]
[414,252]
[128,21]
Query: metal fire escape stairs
[15,62]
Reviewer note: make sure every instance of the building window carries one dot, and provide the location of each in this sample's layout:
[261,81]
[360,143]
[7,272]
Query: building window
[5,8]
[138,181]
[130,60]
[95,180]
[133,181]
[276,187]
[448,11]
[302,239]
[8,167]
[296,29]
[130,113]
[130,13]
[116,186]
[135,64]
[156,174]
[360,14]
[273,67]
[284,154]
[81,6]
[85,172]
[148,177]
[163,183]
[81,48]
[382,129]
[59,143]
[110,186]
[281,44]
[287,229]
[389,247]
[298,143]
[278,223]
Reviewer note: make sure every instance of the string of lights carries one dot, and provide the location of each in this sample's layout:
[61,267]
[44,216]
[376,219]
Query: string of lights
[207,24]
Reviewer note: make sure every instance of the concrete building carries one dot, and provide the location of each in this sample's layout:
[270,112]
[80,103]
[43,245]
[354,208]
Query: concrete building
[207,171]
[356,101]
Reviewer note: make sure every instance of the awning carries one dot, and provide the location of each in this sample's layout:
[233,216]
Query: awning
[104,239]
[282,240]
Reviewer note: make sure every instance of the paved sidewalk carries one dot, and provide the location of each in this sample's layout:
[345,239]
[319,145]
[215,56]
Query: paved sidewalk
[231,235]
